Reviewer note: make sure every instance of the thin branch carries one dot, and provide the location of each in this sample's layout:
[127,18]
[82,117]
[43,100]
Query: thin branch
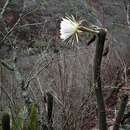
[38,72]
[19,78]
[7,65]
[8,96]
[114,91]
[4,8]
[31,24]
[10,31]
[128,14]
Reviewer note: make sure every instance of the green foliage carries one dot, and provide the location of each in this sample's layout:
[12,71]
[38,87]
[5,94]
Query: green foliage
[19,122]
[6,121]
[33,118]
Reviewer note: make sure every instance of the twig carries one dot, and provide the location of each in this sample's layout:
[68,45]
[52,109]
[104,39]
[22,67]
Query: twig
[19,77]
[128,14]
[17,22]
[8,96]
[7,65]
[37,73]
[9,32]
[3,9]
[114,91]
[31,24]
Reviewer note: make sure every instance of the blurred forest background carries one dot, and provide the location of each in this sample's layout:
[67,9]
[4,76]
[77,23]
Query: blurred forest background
[35,64]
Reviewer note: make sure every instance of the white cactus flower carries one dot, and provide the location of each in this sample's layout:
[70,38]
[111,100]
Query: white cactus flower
[69,27]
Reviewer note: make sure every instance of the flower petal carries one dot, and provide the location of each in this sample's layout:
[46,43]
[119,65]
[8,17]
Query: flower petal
[68,27]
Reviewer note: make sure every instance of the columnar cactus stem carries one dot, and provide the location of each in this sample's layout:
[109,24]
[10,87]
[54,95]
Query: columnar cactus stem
[6,122]
[97,79]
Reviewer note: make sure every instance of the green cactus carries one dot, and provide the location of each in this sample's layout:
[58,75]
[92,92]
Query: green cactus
[33,118]
[45,127]
[49,105]
[6,121]
[19,122]
[49,111]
